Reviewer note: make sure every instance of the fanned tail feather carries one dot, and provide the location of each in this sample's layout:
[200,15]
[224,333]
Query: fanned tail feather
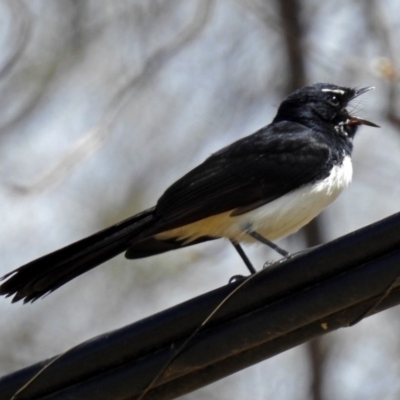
[46,274]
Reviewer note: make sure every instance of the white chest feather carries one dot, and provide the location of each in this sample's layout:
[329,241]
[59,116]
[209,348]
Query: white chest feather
[276,219]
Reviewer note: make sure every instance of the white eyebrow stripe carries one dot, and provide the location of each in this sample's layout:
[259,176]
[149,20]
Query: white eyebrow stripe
[339,91]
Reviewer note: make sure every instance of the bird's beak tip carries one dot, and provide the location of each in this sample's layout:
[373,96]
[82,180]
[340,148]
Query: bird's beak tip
[361,91]
[361,121]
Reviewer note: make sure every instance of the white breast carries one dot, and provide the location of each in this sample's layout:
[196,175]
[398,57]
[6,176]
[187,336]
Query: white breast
[276,219]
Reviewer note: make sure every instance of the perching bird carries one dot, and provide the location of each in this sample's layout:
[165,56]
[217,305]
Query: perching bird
[260,188]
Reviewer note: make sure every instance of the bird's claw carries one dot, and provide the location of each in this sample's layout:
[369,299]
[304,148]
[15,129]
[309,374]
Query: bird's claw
[236,278]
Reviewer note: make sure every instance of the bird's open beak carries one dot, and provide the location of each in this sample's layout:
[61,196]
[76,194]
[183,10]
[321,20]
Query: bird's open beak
[360,121]
[357,120]
[361,91]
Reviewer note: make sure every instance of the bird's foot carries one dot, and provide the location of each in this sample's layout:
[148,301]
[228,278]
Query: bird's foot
[268,264]
[237,278]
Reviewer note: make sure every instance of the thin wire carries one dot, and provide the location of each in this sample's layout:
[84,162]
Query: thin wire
[195,332]
[374,305]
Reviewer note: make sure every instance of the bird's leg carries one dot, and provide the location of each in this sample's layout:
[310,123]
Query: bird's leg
[264,240]
[245,259]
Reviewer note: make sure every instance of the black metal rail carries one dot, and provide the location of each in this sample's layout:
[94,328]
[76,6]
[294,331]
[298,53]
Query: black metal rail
[279,308]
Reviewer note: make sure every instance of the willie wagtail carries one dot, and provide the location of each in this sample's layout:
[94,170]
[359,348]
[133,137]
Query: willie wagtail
[260,188]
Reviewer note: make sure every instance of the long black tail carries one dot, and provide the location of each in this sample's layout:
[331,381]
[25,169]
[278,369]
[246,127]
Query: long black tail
[46,274]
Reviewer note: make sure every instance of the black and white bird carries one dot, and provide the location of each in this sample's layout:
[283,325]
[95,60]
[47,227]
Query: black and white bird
[260,188]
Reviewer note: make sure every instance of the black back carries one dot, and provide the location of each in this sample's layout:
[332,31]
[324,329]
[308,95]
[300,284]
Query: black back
[302,144]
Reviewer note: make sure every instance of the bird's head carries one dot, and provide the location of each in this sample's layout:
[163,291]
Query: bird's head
[323,105]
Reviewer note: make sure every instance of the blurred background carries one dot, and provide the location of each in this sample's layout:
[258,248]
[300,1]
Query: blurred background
[105,103]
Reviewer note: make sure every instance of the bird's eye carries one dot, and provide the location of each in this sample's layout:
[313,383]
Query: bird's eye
[334,101]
